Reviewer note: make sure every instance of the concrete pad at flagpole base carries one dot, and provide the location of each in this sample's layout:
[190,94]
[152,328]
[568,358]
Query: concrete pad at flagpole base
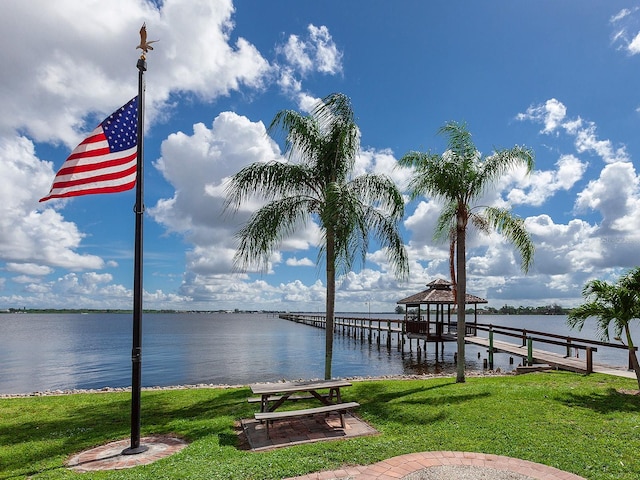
[110,457]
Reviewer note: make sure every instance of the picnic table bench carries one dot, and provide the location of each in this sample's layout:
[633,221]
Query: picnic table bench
[273,395]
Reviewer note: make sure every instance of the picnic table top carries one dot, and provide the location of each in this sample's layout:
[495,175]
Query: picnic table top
[287,387]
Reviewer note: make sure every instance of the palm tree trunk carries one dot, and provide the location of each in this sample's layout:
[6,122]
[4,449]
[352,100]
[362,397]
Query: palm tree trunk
[632,354]
[331,300]
[634,363]
[461,292]
[452,269]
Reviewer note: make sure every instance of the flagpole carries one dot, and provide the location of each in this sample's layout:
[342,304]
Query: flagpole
[136,352]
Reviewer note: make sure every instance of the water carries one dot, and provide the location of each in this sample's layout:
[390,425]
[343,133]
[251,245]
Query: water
[59,352]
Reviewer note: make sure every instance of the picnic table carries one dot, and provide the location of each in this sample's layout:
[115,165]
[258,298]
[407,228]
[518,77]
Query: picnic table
[273,395]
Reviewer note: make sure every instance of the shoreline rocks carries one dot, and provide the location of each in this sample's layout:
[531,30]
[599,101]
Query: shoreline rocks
[74,391]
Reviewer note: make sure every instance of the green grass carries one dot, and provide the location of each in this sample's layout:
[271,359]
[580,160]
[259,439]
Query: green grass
[576,423]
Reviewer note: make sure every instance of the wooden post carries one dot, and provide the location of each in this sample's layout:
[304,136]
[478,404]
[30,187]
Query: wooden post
[529,350]
[475,321]
[491,347]
[388,333]
[589,360]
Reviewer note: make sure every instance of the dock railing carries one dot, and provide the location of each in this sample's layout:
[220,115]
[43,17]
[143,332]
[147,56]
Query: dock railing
[528,336]
[376,330]
[355,326]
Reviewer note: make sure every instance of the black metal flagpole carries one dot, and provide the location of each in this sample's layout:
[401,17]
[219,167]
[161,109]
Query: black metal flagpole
[136,352]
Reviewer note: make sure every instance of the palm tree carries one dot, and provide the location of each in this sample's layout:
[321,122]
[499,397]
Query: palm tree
[317,183]
[618,303]
[459,177]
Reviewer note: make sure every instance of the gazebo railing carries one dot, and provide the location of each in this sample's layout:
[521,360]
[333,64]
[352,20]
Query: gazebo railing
[429,328]
[419,328]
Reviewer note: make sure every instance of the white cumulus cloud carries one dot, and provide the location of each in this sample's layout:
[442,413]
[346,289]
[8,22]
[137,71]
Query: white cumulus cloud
[553,115]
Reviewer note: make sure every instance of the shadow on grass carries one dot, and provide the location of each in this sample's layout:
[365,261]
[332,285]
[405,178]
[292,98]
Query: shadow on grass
[212,413]
[392,405]
[609,402]
[36,446]
[64,431]
[380,393]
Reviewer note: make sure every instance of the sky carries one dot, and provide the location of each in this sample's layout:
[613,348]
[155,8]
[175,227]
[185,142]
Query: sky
[558,77]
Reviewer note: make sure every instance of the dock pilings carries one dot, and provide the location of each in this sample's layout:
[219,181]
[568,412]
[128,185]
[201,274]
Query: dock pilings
[378,331]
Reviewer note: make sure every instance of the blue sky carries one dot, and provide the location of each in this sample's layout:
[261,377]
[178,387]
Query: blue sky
[559,77]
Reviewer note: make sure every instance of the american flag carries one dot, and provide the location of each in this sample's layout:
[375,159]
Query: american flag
[105,162]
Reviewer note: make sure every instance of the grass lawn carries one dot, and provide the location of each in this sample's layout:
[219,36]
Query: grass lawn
[576,423]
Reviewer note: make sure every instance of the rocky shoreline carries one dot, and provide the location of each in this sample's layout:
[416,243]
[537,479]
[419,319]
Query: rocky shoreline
[73,391]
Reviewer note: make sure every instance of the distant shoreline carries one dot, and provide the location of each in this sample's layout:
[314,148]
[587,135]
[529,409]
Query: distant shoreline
[78,311]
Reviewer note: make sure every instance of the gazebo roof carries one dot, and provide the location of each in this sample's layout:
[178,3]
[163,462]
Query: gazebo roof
[438,292]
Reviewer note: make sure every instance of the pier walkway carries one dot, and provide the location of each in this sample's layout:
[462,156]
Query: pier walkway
[556,360]
[578,358]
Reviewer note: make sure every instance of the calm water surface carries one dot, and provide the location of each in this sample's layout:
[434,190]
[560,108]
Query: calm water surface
[50,352]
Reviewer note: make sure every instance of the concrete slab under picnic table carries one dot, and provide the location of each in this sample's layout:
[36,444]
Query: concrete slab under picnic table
[299,430]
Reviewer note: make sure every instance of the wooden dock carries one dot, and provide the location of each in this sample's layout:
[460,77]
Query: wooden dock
[555,360]
[578,358]
[374,329]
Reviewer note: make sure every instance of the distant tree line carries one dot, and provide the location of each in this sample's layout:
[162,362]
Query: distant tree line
[541,310]
[112,310]
[511,310]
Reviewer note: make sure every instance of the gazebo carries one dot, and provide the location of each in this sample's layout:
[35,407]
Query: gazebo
[432,328]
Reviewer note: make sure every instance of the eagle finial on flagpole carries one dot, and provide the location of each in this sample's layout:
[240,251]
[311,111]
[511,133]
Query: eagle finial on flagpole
[145,45]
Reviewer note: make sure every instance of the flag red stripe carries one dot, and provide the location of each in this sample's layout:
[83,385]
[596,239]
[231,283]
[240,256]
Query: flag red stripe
[97,160]
[95,142]
[96,136]
[90,153]
[88,167]
[93,146]
[90,191]
[95,178]
[115,185]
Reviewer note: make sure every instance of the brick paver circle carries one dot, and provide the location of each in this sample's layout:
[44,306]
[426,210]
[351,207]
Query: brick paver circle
[110,457]
[407,466]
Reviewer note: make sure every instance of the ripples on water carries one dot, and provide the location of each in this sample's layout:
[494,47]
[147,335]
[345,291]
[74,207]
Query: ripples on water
[49,352]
